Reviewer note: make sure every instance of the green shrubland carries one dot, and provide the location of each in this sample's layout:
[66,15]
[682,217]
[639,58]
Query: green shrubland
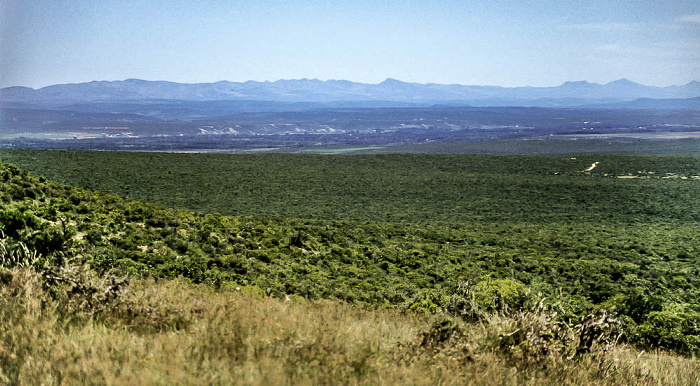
[405,188]
[543,292]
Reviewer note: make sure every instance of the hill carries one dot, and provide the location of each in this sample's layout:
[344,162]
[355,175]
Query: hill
[107,282]
[640,245]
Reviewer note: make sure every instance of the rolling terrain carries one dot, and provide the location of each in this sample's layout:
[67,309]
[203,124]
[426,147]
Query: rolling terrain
[591,257]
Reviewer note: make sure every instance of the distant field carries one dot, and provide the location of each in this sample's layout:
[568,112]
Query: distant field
[678,135]
[569,145]
[342,150]
[391,187]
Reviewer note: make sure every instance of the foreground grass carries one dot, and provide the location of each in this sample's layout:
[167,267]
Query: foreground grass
[169,332]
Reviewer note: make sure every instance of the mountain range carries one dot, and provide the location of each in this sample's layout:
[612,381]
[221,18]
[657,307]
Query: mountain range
[569,94]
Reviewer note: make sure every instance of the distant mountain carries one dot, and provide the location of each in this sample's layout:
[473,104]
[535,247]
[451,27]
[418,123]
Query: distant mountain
[568,94]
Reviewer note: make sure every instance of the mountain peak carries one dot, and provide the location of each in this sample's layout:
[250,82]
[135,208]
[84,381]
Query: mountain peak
[622,82]
[391,81]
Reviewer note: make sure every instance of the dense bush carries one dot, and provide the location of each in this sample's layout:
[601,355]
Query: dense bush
[450,188]
[671,330]
[644,271]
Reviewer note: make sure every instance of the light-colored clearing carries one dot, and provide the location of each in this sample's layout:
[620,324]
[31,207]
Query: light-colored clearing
[593,166]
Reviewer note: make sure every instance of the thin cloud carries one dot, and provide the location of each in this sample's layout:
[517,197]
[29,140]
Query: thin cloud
[690,18]
[604,26]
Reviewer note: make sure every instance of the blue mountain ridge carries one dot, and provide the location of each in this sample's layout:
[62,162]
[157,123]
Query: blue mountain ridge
[314,90]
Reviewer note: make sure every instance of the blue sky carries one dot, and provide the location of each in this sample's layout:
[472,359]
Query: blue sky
[506,43]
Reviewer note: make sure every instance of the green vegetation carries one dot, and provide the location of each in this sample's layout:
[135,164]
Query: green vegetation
[551,146]
[535,250]
[406,188]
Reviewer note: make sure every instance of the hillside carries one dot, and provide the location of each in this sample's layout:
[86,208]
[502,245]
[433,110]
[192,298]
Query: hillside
[636,255]
[530,293]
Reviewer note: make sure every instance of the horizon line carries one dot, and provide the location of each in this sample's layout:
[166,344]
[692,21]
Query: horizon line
[389,79]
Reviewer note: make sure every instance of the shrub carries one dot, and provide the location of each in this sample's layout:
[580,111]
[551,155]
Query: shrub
[671,330]
[499,294]
[14,221]
[428,302]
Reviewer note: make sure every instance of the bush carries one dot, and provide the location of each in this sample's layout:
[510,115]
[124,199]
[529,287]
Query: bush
[13,222]
[671,330]
[427,302]
[499,294]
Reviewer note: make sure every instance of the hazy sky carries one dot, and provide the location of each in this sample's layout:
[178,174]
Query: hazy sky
[507,43]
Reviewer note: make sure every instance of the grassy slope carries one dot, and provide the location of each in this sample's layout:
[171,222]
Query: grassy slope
[172,332]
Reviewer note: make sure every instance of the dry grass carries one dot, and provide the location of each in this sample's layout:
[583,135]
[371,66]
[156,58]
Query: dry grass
[171,332]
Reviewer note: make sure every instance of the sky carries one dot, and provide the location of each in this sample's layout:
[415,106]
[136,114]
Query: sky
[504,43]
